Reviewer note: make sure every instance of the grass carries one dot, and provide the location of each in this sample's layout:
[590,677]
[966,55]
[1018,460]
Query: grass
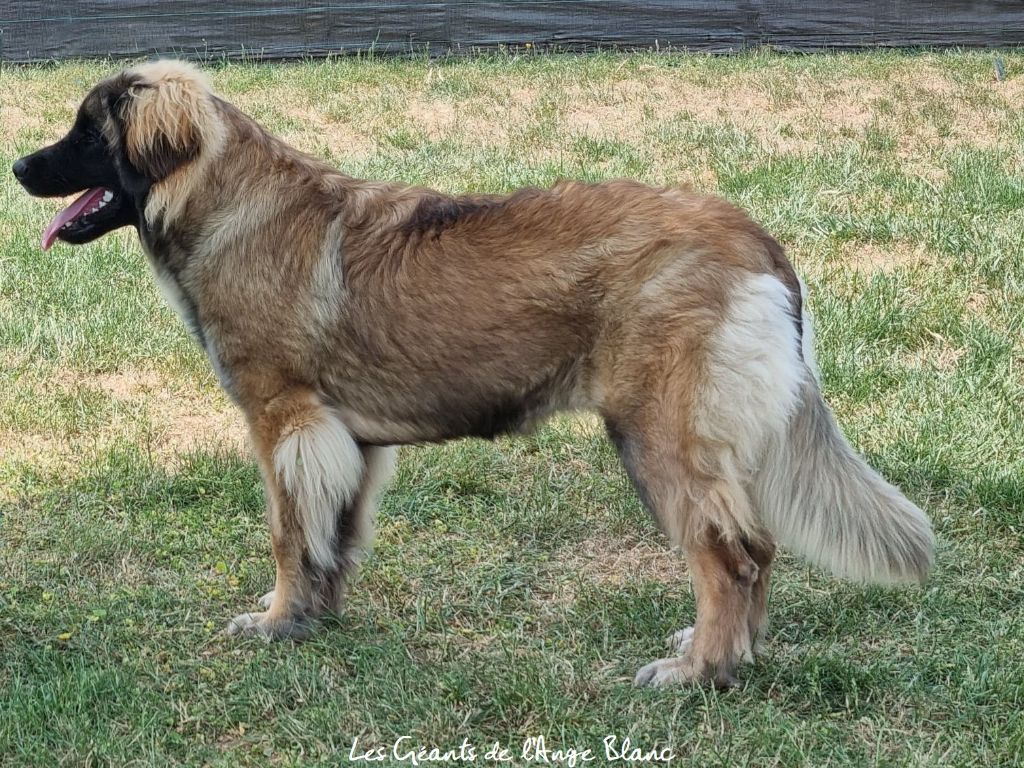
[516,586]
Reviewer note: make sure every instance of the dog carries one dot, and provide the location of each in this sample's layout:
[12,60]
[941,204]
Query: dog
[345,317]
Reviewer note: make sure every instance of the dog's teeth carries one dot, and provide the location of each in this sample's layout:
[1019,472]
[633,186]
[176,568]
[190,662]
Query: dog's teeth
[108,196]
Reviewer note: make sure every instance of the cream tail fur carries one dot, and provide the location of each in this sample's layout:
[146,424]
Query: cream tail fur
[823,501]
[750,395]
[321,468]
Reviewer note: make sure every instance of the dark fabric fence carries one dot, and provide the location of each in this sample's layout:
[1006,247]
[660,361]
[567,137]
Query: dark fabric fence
[43,30]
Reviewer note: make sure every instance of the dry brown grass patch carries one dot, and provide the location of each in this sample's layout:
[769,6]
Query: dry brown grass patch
[164,415]
[603,559]
[181,417]
[801,120]
[978,304]
[482,120]
[32,448]
[15,119]
[872,258]
[940,355]
[317,126]
[435,118]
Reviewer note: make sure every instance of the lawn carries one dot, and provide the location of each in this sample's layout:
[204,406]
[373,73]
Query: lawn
[516,586]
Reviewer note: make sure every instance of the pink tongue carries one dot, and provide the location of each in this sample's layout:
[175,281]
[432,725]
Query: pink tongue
[84,202]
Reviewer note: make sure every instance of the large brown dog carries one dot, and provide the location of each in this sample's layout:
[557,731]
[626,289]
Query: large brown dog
[345,316]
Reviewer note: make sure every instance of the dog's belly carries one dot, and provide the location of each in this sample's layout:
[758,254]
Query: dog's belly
[486,423]
[437,414]
[376,430]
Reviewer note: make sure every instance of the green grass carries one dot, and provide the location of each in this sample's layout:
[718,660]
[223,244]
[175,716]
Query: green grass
[516,586]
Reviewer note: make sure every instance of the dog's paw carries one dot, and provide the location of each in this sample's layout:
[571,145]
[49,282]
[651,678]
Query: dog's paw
[267,627]
[679,670]
[680,641]
[266,601]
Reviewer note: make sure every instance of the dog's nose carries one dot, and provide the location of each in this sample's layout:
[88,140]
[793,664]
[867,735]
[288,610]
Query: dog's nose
[20,168]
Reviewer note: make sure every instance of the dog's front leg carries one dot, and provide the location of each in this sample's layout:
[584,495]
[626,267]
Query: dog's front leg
[313,472]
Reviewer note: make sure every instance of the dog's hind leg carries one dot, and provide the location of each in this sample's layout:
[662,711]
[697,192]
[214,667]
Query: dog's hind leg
[312,470]
[762,552]
[694,409]
[699,511]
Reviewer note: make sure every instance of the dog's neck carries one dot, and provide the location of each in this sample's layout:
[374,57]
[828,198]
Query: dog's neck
[224,197]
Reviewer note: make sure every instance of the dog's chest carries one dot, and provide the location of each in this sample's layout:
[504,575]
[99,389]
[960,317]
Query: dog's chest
[185,307]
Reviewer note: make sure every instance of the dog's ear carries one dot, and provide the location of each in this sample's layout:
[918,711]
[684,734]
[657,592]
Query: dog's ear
[165,112]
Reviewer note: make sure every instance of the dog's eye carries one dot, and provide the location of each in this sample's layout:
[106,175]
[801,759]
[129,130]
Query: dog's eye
[88,133]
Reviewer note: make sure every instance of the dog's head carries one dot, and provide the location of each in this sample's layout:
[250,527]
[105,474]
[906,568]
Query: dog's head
[132,132]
